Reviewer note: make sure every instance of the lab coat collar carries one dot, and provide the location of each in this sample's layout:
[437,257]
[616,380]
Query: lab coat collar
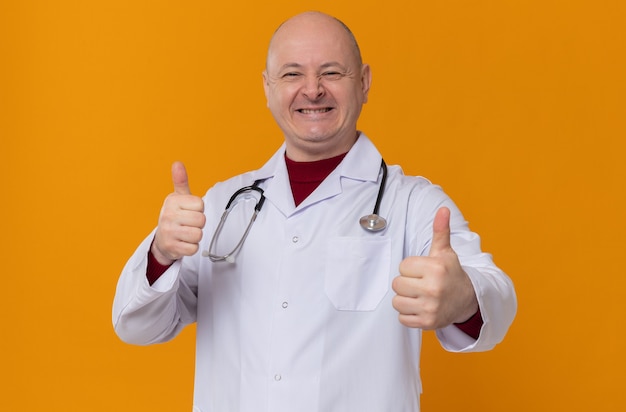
[362,162]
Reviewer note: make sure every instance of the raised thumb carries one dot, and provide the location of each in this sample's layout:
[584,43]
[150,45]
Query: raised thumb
[441,232]
[179,178]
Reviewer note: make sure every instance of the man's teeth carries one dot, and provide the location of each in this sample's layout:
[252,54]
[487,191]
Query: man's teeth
[314,111]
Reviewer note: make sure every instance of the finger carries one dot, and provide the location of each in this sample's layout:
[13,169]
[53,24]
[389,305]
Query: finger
[441,232]
[406,285]
[192,214]
[414,266]
[180,180]
[404,305]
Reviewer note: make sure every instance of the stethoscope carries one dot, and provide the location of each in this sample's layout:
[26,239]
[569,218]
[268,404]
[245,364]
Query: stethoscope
[371,223]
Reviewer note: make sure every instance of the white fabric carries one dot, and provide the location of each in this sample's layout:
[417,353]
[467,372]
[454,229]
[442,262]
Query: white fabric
[303,320]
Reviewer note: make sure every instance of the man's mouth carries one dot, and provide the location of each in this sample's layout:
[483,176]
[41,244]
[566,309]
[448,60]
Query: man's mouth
[314,111]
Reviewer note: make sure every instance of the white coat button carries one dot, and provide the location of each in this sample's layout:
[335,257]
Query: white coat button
[277,377]
[285,304]
[295,239]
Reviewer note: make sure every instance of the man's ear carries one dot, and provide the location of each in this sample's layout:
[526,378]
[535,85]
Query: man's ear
[266,86]
[366,81]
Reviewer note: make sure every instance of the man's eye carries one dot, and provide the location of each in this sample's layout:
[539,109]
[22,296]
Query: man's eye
[291,75]
[332,75]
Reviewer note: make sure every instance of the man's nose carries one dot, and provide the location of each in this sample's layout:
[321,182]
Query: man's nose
[313,88]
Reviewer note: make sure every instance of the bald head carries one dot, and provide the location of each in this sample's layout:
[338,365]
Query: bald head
[315,84]
[315,21]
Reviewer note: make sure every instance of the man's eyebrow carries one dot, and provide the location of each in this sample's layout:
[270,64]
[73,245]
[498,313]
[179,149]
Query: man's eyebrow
[294,65]
[332,64]
[290,66]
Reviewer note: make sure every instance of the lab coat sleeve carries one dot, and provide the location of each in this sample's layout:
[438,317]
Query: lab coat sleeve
[498,305]
[144,314]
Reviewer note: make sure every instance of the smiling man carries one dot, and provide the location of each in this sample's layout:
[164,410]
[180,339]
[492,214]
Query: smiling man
[315,86]
[301,304]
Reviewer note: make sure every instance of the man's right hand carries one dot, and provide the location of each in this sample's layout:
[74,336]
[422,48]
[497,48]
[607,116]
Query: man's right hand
[180,222]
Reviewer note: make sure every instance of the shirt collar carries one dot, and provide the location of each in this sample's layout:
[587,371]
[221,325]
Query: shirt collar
[361,162]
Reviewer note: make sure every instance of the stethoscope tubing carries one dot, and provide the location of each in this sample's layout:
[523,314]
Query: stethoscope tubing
[371,223]
[381,189]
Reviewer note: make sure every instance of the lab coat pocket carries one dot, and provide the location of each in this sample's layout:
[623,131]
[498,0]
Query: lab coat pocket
[357,272]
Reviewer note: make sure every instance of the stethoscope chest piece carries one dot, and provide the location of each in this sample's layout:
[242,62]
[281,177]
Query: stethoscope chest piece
[373,223]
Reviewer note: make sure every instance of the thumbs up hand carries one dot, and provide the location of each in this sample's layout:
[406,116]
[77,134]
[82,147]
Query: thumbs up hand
[434,291]
[181,221]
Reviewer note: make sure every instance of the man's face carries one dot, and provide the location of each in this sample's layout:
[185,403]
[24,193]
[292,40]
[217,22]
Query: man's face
[315,86]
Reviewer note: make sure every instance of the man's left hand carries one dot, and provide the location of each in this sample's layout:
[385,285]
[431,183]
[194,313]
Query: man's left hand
[434,291]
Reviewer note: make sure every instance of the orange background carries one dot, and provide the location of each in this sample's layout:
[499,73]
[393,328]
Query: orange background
[515,107]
